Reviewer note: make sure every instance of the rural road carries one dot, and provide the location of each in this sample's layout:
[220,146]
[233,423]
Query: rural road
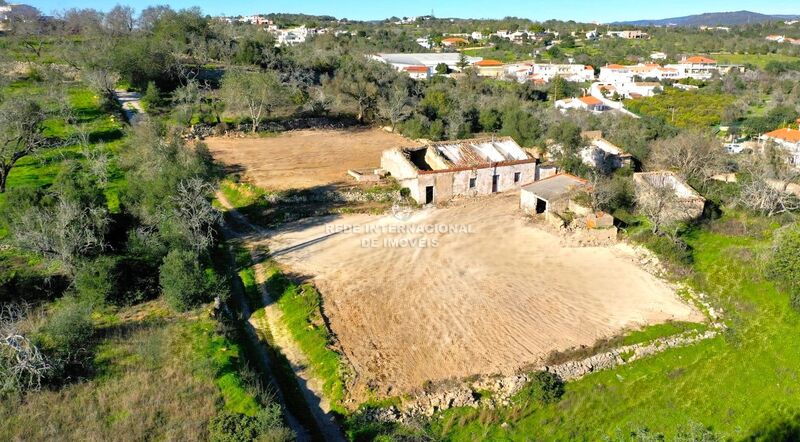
[310,385]
[131,104]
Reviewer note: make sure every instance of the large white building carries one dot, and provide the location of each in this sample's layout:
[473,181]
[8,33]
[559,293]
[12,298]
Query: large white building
[570,72]
[700,68]
[288,37]
[431,60]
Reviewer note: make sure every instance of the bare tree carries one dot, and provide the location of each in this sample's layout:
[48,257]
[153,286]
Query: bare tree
[26,25]
[151,15]
[657,200]
[395,106]
[195,213]
[20,133]
[120,20]
[254,94]
[767,188]
[102,80]
[694,156]
[22,365]
[64,232]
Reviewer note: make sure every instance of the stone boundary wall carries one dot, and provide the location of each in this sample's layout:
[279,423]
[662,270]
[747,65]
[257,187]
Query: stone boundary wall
[200,131]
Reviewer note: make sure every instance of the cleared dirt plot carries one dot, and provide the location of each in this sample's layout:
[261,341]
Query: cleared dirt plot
[305,158]
[468,289]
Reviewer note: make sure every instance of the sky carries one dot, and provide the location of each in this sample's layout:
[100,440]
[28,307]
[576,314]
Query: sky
[540,10]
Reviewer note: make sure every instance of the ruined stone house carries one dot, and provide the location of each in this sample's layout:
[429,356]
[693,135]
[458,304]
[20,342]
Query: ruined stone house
[438,172]
[685,202]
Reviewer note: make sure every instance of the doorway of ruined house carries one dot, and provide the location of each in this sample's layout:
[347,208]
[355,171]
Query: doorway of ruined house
[428,194]
[495,180]
[541,205]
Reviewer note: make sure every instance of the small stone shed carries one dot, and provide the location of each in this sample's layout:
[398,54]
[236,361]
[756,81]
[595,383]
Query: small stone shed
[549,194]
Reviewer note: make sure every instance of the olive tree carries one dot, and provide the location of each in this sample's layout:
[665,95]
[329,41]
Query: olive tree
[252,94]
[20,133]
[195,214]
[395,106]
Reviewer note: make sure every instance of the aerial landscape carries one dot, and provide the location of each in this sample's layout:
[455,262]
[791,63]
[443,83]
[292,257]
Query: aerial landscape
[439,221]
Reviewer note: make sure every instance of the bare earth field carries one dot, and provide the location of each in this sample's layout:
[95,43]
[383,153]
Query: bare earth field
[491,294]
[305,158]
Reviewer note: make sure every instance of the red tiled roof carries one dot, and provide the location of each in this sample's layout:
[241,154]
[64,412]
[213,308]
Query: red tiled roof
[416,69]
[700,60]
[454,40]
[791,135]
[616,66]
[489,63]
[591,101]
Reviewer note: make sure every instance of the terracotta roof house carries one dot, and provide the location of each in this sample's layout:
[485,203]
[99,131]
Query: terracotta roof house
[418,72]
[453,41]
[787,138]
[490,68]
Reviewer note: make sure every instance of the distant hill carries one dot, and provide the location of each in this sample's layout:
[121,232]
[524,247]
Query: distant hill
[712,19]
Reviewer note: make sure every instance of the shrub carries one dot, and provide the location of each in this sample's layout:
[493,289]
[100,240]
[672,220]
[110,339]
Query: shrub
[784,265]
[182,280]
[546,387]
[235,427]
[95,281]
[794,300]
[152,96]
[68,327]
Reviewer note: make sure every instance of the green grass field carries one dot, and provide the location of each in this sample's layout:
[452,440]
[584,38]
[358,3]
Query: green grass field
[156,378]
[744,383]
[39,170]
[758,60]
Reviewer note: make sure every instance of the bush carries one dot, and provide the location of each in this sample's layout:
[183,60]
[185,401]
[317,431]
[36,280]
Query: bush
[152,97]
[235,427]
[546,387]
[67,330]
[182,280]
[784,265]
[794,300]
[95,281]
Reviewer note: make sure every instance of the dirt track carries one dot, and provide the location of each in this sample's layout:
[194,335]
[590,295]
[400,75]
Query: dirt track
[305,158]
[490,300]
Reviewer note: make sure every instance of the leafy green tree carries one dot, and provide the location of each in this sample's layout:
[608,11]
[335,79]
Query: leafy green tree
[520,125]
[490,119]
[442,69]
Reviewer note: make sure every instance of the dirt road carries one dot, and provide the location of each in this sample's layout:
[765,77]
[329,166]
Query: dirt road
[310,386]
[305,158]
[482,293]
